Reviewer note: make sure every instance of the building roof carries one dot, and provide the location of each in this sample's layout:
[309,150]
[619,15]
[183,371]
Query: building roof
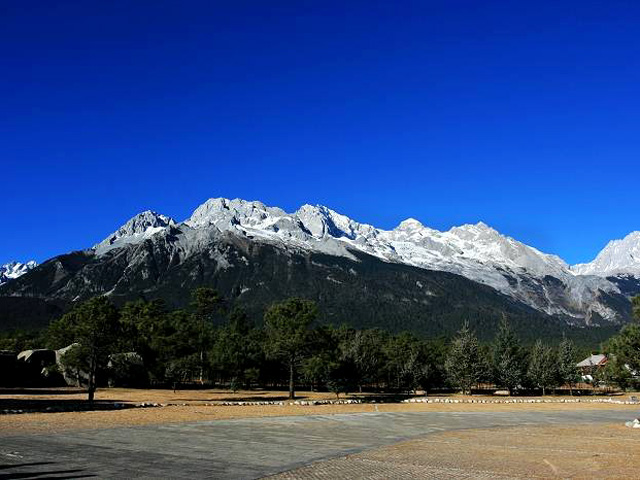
[593,360]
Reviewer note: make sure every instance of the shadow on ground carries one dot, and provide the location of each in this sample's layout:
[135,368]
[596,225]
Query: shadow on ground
[40,471]
[10,405]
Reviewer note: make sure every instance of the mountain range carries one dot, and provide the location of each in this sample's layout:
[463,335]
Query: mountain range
[256,254]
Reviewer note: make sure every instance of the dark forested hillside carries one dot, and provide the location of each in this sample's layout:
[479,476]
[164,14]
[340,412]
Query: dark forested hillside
[365,292]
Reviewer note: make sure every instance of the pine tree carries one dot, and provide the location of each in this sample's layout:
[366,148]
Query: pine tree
[206,304]
[463,362]
[567,370]
[615,372]
[635,306]
[626,345]
[507,358]
[94,326]
[287,329]
[542,367]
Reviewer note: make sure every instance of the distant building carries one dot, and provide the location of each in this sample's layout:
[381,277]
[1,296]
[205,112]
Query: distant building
[590,365]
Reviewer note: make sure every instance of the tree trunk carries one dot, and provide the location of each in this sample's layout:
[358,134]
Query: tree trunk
[201,366]
[91,387]
[543,391]
[292,392]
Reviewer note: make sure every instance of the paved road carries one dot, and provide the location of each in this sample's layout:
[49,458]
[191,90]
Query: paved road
[243,448]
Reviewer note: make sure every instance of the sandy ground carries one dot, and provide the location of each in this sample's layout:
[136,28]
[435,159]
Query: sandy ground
[578,452]
[192,408]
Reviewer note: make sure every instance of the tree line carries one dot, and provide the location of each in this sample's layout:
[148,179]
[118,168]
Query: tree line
[209,343]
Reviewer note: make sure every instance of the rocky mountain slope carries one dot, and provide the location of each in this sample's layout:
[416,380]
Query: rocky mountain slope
[260,252]
[619,257]
[13,270]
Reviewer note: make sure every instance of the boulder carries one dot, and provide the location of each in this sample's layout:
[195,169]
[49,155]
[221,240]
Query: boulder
[35,367]
[72,376]
[127,370]
[40,357]
[634,424]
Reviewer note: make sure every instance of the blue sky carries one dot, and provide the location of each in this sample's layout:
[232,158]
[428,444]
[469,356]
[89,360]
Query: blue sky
[524,115]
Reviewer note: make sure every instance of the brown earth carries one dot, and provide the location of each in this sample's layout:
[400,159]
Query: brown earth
[192,407]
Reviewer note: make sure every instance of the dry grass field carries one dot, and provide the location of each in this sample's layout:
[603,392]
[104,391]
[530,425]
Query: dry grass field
[200,405]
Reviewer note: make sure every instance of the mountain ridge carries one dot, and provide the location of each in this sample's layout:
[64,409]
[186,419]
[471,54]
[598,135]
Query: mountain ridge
[476,252]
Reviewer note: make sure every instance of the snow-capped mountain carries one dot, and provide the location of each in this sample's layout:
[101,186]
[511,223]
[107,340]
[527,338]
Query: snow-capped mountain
[14,270]
[137,229]
[619,257]
[477,252]
[154,255]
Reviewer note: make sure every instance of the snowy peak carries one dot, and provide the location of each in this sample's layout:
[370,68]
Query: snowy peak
[484,243]
[475,251]
[323,222]
[461,249]
[479,229]
[224,213]
[410,225]
[619,257]
[138,228]
[13,270]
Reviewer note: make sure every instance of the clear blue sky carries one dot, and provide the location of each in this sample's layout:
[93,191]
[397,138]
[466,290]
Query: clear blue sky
[525,115]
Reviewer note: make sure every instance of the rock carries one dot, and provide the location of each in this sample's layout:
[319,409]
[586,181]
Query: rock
[633,424]
[127,370]
[72,376]
[34,367]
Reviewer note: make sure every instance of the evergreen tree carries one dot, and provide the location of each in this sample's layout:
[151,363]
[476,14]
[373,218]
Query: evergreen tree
[341,377]
[635,305]
[94,326]
[142,323]
[206,304]
[614,372]
[402,353]
[626,346]
[508,365]
[542,370]
[287,329]
[364,347]
[463,361]
[232,348]
[567,371]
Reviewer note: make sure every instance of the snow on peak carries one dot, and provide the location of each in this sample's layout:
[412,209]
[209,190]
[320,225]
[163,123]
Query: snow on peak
[475,230]
[138,228]
[617,258]
[475,251]
[410,242]
[322,222]
[224,213]
[410,224]
[13,270]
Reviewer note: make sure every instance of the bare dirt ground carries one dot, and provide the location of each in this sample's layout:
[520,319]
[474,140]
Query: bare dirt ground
[193,397]
[452,440]
[192,406]
[578,452]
